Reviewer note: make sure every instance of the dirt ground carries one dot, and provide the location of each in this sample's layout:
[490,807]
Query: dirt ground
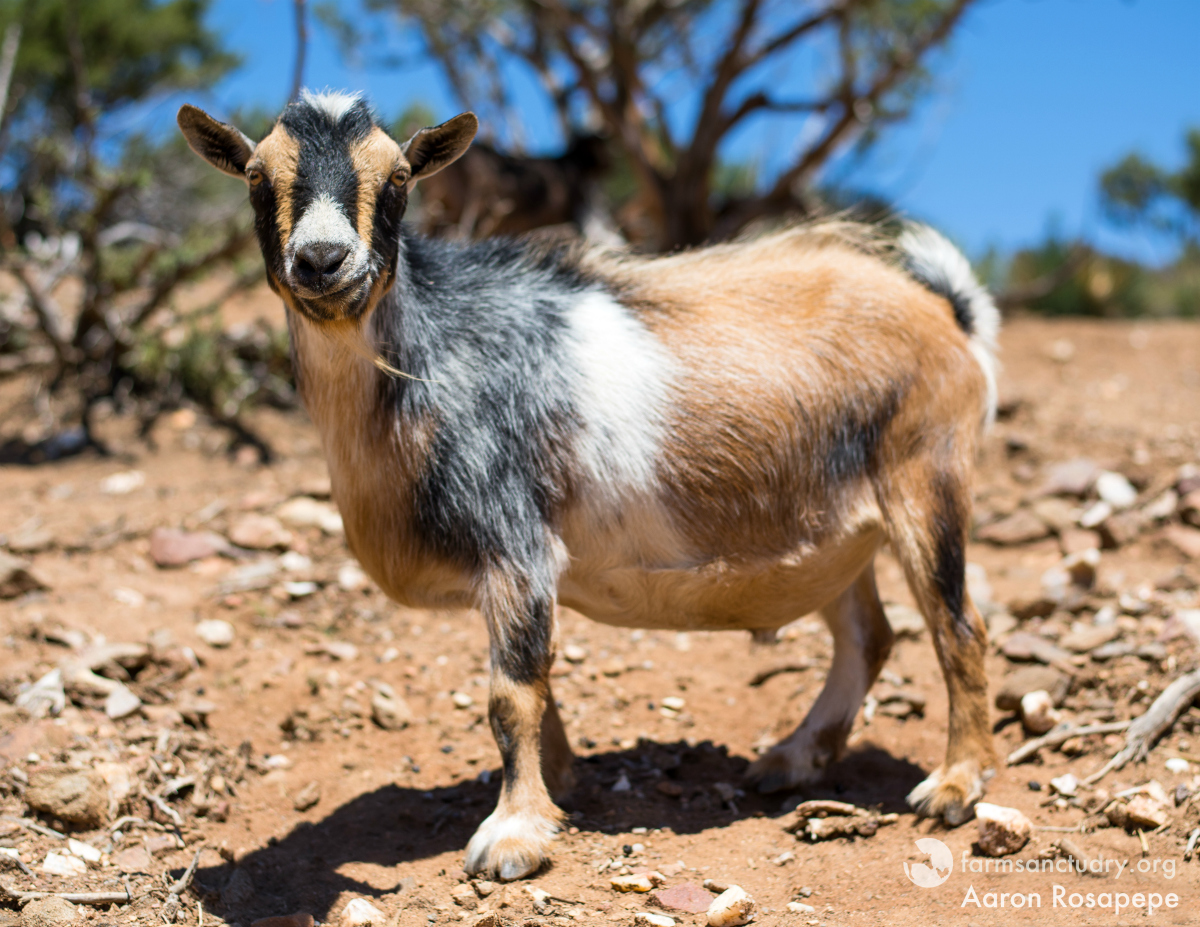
[263,753]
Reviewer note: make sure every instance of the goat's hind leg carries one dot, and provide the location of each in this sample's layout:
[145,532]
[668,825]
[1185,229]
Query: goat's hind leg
[513,841]
[862,640]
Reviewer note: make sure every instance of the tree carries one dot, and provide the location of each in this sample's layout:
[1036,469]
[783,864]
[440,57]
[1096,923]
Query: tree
[1135,191]
[671,81]
[128,217]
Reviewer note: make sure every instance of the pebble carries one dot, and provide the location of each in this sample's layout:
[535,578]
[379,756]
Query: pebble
[1023,646]
[308,796]
[76,796]
[1177,764]
[361,913]
[85,851]
[1037,712]
[464,896]
[731,908]
[123,483]
[50,912]
[391,714]
[1115,489]
[59,864]
[906,622]
[170,547]
[121,703]
[1070,478]
[1185,540]
[1096,515]
[799,907]
[132,859]
[1083,638]
[688,898]
[1147,812]
[351,577]
[1021,527]
[1026,679]
[303,512]
[632,883]
[673,702]
[340,650]
[1001,830]
[215,632]
[647,919]
[46,696]
[17,577]
[1065,785]
[259,532]
[573,653]
[462,700]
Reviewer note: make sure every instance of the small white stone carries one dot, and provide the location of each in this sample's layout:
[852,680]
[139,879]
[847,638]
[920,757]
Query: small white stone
[351,576]
[130,597]
[1037,711]
[1096,515]
[731,908]
[573,653]
[1066,784]
[295,562]
[120,703]
[674,702]
[85,851]
[278,761]
[1001,830]
[215,632]
[646,919]
[303,512]
[60,864]
[1177,764]
[361,913]
[462,700]
[300,590]
[1114,489]
[622,784]
[341,650]
[799,907]
[121,484]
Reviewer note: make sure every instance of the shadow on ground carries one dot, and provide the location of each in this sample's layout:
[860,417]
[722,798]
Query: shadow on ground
[684,788]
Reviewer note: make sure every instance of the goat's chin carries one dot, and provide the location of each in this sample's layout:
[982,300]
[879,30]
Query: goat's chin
[348,304]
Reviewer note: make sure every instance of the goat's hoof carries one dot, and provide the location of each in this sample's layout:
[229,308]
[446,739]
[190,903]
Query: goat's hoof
[784,768]
[510,847]
[949,794]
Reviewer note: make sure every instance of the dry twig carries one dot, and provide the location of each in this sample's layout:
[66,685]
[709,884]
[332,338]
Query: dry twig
[1062,734]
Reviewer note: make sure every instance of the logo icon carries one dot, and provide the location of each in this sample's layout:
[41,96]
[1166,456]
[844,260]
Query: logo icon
[941,858]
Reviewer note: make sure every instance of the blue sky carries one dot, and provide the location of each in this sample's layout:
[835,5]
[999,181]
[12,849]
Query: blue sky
[1033,100]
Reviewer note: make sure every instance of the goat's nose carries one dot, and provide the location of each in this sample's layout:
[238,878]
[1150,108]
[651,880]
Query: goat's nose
[320,258]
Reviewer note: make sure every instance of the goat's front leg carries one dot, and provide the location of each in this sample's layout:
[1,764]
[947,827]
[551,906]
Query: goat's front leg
[513,841]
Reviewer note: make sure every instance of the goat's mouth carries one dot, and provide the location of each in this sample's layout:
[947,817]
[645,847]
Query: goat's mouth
[347,302]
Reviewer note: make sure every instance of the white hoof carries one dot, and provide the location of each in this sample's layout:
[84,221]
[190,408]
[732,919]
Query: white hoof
[511,846]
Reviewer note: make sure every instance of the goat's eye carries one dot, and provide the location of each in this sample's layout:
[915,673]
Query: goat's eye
[399,178]
[255,177]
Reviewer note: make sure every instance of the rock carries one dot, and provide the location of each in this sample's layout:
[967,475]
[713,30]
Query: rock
[1146,812]
[76,796]
[17,577]
[1152,651]
[1082,638]
[46,696]
[541,898]
[1072,574]
[462,700]
[121,703]
[731,908]
[1037,712]
[303,512]
[631,883]
[308,796]
[1065,785]
[170,547]
[239,889]
[1021,527]
[1115,489]
[1184,539]
[573,653]
[122,484]
[351,577]
[799,907]
[215,632]
[31,538]
[1178,765]
[300,919]
[361,913]
[1000,623]
[1001,830]
[1025,647]
[688,898]
[1058,514]
[1163,507]
[60,864]
[1070,478]
[1123,528]
[1028,679]
[1111,651]
[132,859]
[901,704]
[464,896]
[1184,623]
[904,620]
[50,912]
[391,714]
[85,851]
[259,532]
[646,919]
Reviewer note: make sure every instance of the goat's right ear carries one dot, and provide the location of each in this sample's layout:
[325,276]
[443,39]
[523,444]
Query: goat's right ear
[218,143]
[433,148]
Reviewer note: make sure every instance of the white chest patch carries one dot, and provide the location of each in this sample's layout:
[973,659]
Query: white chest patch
[622,394]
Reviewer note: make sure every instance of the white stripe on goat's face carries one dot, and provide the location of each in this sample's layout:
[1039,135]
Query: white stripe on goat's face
[324,253]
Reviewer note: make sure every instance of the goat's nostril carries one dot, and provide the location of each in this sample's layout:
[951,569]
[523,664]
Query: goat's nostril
[320,258]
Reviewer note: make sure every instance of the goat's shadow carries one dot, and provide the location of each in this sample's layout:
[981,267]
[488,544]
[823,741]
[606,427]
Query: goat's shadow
[676,786]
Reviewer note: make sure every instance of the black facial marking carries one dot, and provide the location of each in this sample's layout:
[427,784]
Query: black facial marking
[950,565]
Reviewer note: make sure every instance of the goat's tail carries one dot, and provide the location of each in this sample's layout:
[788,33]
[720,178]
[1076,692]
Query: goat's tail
[932,260]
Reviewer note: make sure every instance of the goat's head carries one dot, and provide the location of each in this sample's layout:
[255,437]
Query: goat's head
[329,187]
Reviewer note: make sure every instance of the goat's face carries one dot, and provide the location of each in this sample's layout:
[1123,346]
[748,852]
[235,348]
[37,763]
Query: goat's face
[329,187]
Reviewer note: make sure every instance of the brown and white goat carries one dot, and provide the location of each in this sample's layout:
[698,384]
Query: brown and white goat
[718,439]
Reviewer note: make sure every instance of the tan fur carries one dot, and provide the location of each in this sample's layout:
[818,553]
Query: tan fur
[375,159]
[278,156]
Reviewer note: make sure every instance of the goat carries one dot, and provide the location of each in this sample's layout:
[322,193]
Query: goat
[716,439]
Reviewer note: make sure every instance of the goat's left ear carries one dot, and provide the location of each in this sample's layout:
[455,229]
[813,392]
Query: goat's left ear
[432,149]
[220,144]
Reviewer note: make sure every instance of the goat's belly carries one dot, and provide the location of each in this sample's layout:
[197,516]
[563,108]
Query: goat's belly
[717,595]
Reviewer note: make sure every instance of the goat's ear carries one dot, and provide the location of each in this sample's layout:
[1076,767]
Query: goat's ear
[432,149]
[218,143]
